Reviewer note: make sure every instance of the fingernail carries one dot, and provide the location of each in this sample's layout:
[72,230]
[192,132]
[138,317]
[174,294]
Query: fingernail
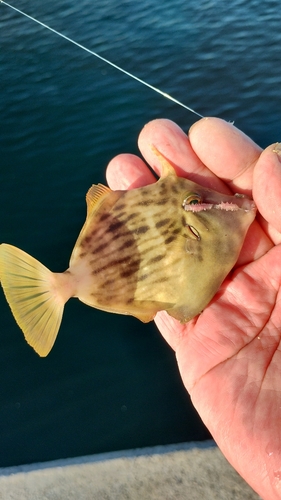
[277,150]
[195,123]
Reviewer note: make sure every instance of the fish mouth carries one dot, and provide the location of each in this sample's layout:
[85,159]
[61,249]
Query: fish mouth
[241,203]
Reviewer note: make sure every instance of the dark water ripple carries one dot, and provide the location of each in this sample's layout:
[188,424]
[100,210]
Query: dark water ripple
[111,382]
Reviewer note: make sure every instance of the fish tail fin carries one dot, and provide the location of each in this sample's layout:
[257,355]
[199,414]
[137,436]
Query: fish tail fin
[35,295]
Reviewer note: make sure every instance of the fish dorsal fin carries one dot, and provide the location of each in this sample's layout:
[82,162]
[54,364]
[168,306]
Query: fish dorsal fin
[167,167]
[95,196]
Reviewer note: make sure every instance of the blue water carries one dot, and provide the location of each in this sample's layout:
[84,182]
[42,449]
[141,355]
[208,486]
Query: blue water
[110,382]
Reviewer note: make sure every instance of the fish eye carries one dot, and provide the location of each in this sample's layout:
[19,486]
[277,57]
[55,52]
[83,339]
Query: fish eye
[192,199]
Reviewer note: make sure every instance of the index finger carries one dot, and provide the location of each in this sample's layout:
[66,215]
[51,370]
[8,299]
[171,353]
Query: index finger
[226,151]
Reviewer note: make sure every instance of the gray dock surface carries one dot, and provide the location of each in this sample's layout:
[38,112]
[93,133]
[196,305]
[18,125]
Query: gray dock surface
[188,471]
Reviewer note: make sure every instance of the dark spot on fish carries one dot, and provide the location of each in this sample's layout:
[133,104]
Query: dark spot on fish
[112,263]
[183,221]
[174,188]
[177,230]
[129,272]
[141,229]
[145,203]
[162,223]
[174,202]
[86,241]
[126,244]
[120,207]
[143,277]
[132,216]
[94,233]
[161,280]
[104,216]
[118,235]
[129,301]
[114,226]
[120,261]
[82,254]
[109,282]
[149,250]
[101,247]
[121,214]
[106,299]
[164,201]
[170,239]
[156,259]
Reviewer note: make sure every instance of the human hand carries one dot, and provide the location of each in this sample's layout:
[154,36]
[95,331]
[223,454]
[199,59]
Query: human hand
[229,356]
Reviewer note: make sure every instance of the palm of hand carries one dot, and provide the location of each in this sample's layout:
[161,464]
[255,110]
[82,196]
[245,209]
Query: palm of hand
[229,356]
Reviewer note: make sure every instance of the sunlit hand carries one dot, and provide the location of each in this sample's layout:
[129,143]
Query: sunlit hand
[229,356]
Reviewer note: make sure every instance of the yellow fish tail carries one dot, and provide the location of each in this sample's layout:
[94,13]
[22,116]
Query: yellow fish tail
[35,295]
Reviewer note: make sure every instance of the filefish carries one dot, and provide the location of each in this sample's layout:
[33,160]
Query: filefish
[166,246]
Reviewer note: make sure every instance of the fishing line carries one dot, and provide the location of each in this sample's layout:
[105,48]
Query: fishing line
[164,94]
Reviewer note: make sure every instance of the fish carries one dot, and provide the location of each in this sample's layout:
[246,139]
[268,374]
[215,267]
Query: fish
[166,246]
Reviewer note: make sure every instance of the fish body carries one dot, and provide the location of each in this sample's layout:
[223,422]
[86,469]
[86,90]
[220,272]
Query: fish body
[166,246]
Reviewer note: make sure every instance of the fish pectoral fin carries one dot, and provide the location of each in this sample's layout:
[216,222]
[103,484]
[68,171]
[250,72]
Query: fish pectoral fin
[95,196]
[32,292]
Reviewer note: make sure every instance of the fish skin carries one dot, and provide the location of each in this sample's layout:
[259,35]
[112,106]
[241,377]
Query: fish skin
[141,256]
[139,252]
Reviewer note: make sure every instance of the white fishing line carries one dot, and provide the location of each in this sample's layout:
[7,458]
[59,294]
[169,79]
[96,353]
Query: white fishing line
[164,94]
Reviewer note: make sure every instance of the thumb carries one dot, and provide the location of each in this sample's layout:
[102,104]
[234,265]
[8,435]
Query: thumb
[267,185]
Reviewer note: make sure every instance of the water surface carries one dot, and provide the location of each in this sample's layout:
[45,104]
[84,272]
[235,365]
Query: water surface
[110,382]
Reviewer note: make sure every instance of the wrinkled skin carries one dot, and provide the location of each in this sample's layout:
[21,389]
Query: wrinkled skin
[229,357]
